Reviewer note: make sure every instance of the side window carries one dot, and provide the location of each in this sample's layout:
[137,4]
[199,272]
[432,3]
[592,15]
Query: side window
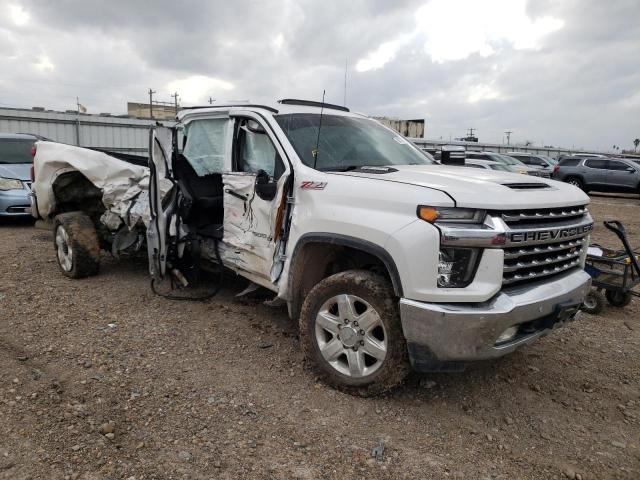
[613,165]
[207,145]
[526,160]
[255,151]
[569,162]
[473,165]
[599,164]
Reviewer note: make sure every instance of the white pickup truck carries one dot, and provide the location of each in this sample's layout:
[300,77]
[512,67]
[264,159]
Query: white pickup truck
[386,258]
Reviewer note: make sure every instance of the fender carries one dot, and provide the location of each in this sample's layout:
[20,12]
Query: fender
[352,242]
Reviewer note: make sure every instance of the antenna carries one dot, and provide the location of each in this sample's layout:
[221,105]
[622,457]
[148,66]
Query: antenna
[316,151]
[345,83]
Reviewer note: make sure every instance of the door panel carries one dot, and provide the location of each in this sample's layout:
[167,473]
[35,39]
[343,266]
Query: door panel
[596,171]
[253,219]
[619,176]
[251,226]
[162,198]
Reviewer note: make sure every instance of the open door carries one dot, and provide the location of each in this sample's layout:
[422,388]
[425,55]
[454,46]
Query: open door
[162,206]
[255,202]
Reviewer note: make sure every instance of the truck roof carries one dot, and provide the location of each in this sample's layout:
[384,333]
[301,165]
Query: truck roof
[284,106]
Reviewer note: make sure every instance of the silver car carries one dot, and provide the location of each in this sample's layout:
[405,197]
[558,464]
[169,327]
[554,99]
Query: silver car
[600,174]
[16,160]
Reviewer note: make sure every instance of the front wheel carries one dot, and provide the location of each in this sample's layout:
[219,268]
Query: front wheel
[351,333]
[76,244]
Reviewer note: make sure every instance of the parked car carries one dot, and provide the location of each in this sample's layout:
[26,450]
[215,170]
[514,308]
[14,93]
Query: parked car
[515,165]
[384,258]
[16,160]
[490,165]
[541,162]
[600,174]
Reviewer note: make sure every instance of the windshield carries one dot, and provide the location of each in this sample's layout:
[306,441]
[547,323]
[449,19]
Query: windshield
[15,151]
[505,159]
[346,143]
[500,166]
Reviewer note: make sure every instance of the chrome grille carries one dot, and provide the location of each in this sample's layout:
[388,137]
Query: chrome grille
[546,215]
[536,259]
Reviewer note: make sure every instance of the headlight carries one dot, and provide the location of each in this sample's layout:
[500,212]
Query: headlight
[456,267]
[450,214]
[10,184]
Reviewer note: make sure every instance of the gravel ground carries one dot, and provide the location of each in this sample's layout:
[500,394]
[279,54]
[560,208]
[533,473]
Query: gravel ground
[99,378]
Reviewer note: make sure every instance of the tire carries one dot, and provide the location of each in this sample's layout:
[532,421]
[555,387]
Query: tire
[76,244]
[576,182]
[617,298]
[593,303]
[348,304]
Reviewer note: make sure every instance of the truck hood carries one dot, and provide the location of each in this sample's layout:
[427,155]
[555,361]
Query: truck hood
[19,171]
[487,189]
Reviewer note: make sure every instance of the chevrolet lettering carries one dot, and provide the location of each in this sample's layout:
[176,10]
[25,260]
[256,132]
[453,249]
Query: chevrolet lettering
[549,235]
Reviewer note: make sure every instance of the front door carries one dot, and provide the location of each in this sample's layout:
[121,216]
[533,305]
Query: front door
[255,200]
[622,176]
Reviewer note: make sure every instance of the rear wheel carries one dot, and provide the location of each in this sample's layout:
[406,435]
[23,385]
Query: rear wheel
[593,303]
[351,334]
[576,182]
[76,244]
[617,298]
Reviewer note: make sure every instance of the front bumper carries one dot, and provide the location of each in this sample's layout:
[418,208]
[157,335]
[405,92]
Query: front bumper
[464,332]
[14,203]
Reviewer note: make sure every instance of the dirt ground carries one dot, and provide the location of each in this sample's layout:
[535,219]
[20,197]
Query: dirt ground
[218,389]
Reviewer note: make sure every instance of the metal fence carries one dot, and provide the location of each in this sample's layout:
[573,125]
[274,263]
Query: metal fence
[553,152]
[116,133]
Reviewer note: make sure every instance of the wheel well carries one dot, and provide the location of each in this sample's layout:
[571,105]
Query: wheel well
[315,260]
[74,192]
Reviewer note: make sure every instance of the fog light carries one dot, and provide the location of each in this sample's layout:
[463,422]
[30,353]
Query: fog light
[456,267]
[507,335]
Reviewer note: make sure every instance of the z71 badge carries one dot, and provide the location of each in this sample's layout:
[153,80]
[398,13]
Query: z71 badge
[309,185]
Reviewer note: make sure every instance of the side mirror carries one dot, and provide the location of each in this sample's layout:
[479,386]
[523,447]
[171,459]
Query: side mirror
[265,187]
[631,170]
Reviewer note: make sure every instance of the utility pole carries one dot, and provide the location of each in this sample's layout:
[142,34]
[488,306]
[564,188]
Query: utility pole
[508,134]
[175,101]
[151,92]
[470,134]
[211,100]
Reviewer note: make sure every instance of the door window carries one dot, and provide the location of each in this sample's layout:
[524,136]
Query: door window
[599,164]
[256,151]
[207,145]
[614,165]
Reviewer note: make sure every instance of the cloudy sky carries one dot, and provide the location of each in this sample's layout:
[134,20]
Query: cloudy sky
[564,73]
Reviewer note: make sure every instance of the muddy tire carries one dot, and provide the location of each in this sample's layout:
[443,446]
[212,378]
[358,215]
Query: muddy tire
[351,335]
[617,298]
[593,303]
[76,245]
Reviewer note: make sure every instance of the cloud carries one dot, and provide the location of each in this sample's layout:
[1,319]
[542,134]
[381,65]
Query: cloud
[19,16]
[557,72]
[198,88]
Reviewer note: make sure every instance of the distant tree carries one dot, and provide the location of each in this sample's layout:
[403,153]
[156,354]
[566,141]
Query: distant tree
[636,142]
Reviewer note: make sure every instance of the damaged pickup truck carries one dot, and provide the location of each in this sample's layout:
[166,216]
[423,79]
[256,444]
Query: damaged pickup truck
[386,258]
